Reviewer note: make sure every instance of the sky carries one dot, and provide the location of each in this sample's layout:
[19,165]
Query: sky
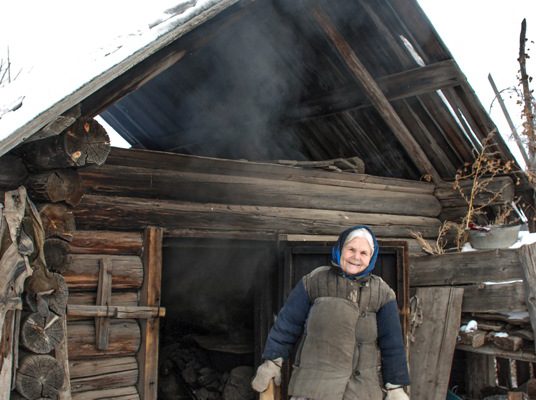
[483,38]
[482,35]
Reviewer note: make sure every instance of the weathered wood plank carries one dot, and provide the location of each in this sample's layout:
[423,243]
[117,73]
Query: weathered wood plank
[466,268]
[528,263]
[61,353]
[119,298]
[150,296]
[432,350]
[106,212]
[104,298]
[522,355]
[217,188]
[494,298]
[83,271]
[121,312]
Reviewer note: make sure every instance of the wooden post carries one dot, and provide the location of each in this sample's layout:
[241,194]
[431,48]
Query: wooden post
[432,350]
[528,263]
[150,296]
[104,297]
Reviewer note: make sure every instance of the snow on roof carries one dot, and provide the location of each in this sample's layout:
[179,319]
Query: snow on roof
[35,99]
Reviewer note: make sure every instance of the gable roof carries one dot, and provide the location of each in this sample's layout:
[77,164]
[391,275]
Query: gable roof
[264,80]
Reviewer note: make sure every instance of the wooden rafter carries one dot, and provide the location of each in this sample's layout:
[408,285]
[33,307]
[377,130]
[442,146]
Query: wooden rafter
[377,97]
[413,82]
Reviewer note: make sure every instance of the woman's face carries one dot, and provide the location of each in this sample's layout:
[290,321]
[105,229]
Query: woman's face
[356,255]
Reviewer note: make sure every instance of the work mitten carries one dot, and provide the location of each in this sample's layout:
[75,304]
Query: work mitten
[267,370]
[395,392]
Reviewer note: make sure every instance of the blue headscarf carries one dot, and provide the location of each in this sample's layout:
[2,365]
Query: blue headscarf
[336,251]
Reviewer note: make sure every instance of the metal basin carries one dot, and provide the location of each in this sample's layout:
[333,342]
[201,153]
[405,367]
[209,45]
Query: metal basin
[499,237]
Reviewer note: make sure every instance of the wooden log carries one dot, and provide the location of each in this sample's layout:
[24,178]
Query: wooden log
[466,268]
[432,350]
[214,188]
[106,373]
[122,393]
[105,212]
[504,185]
[124,339]
[8,355]
[491,350]
[139,158]
[39,376]
[83,143]
[56,254]
[58,221]
[13,172]
[121,312]
[106,242]
[45,291]
[40,334]
[83,271]
[55,186]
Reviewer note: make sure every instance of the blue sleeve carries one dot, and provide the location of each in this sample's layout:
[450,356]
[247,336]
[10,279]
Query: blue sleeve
[289,324]
[390,341]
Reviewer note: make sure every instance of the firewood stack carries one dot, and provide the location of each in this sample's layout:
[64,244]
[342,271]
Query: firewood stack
[44,171]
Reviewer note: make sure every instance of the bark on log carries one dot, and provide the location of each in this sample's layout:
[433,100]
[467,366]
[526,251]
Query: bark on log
[40,334]
[83,271]
[187,163]
[56,254]
[124,339]
[106,373]
[215,188]
[106,242]
[124,393]
[55,186]
[83,143]
[120,312]
[39,376]
[102,212]
[58,221]
[13,172]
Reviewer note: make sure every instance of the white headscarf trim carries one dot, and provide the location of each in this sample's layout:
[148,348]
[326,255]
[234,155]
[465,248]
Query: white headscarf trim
[362,233]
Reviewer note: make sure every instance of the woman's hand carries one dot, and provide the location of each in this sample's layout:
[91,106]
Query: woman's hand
[267,370]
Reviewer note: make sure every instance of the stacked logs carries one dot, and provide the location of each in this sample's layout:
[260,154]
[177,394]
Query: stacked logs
[204,197]
[48,171]
[104,273]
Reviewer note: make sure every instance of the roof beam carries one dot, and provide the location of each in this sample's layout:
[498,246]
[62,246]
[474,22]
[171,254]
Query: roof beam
[377,97]
[413,82]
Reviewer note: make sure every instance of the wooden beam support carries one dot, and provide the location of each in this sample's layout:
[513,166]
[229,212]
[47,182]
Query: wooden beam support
[413,82]
[150,296]
[104,298]
[377,98]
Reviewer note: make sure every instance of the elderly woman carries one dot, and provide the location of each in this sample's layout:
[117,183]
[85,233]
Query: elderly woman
[344,314]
